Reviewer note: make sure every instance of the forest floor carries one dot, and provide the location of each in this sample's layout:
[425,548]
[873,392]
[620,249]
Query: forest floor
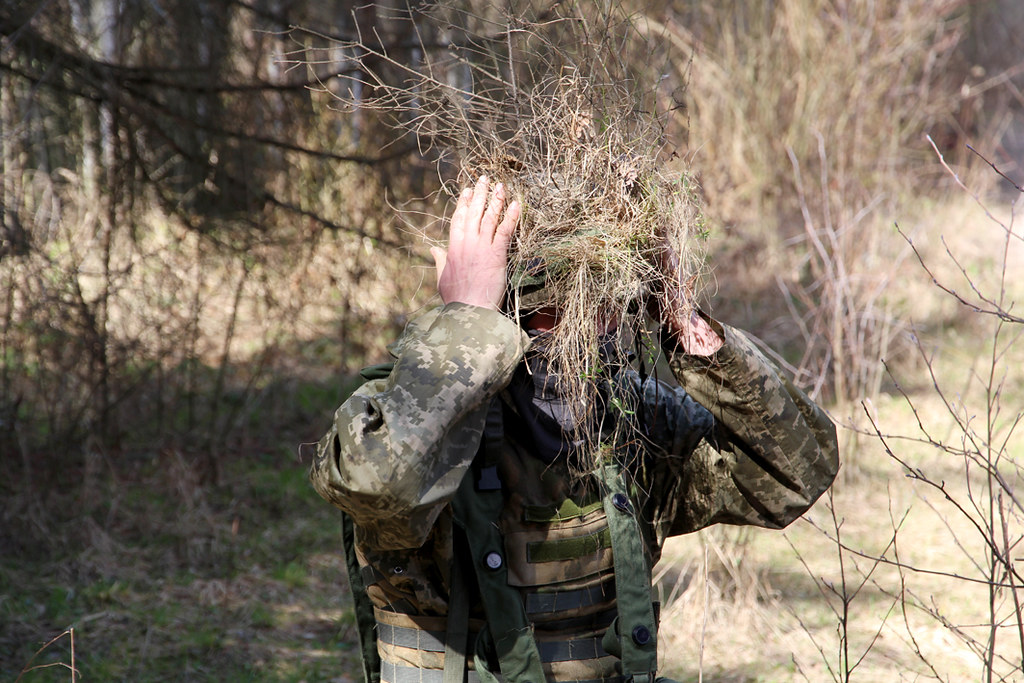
[167,580]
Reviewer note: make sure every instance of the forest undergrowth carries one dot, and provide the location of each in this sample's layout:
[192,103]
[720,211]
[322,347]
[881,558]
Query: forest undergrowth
[906,569]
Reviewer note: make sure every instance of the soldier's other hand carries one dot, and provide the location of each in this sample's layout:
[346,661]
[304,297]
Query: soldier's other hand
[672,305]
[472,269]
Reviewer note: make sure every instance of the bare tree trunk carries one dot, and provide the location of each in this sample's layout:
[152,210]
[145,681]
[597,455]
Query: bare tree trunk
[96,23]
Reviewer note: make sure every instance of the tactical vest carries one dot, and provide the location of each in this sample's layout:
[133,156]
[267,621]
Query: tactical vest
[565,591]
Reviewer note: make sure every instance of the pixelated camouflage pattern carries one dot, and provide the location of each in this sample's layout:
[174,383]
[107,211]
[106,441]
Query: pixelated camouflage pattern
[772,452]
[734,443]
[399,447]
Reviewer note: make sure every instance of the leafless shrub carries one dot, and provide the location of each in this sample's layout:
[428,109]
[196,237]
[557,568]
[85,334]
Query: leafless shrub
[809,119]
[708,595]
[974,469]
[840,596]
[70,666]
[179,220]
[983,444]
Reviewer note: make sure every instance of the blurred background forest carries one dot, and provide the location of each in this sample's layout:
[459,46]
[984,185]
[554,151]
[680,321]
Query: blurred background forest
[199,249]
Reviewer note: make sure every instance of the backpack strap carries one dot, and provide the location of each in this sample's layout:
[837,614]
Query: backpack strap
[634,634]
[366,624]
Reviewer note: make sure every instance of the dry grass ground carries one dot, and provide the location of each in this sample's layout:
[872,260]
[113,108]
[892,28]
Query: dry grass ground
[771,607]
[166,581]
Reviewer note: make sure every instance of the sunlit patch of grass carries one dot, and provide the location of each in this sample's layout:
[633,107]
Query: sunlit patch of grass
[292,574]
[794,576]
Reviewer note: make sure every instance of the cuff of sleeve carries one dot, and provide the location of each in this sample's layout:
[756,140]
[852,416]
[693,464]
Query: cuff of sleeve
[731,374]
[737,352]
[487,323]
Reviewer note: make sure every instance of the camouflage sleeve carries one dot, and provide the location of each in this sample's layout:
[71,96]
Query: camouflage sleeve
[399,447]
[771,453]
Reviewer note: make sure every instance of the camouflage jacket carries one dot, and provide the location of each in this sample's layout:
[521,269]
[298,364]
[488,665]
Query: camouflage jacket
[734,443]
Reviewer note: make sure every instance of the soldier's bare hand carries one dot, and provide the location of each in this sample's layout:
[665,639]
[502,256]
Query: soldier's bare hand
[472,269]
[674,307]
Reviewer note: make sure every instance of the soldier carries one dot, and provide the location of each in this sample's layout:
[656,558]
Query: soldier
[483,541]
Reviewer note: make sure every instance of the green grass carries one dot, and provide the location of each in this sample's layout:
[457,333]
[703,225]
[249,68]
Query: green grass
[164,582]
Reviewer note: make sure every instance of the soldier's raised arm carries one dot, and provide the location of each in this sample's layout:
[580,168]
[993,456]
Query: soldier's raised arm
[771,451]
[398,447]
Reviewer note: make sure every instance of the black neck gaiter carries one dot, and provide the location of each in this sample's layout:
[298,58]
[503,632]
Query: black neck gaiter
[545,420]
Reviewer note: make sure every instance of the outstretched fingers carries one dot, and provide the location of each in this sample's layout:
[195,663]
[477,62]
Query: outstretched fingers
[472,269]
[477,204]
[457,230]
[489,222]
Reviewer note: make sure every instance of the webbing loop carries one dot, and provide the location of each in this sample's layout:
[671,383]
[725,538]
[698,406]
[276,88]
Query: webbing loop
[457,635]
[366,624]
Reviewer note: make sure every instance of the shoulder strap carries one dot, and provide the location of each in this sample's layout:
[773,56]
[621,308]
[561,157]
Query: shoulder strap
[365,622]
[476,511]
[635,628]
[477,506]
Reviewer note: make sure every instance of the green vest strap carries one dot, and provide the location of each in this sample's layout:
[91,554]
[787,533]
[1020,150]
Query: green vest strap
[635,627]
[476,512]
[363,607]
[457,637]
[568,548]
[568,510]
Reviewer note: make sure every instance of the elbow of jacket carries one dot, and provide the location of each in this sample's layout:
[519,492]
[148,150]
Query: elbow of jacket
[359,486]
[796,503]
[794,512]
[386,493]
[824,467]
[808,498]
